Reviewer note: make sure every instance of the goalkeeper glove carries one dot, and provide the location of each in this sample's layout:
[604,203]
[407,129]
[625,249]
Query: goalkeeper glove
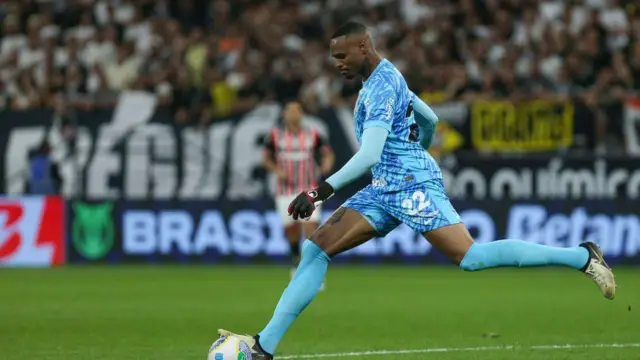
[305,203]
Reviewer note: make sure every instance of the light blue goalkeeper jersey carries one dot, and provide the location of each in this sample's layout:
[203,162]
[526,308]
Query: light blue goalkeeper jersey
[385,101]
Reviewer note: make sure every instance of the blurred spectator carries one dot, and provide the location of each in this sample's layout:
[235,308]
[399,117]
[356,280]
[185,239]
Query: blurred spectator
[222,96]
[24,93]
[44,175]
[101,49]
[120,74]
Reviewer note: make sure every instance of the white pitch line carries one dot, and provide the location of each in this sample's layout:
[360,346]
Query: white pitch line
[459,349]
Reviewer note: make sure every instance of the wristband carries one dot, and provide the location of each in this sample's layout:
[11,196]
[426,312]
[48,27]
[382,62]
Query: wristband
[323,192]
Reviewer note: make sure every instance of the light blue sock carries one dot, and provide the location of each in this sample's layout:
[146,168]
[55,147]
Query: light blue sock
[518,253]
[301,290]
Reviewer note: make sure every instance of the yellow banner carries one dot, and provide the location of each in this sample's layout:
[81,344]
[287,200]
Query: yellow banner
[526,126]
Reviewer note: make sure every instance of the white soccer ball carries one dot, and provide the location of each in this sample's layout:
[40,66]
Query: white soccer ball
[229,348]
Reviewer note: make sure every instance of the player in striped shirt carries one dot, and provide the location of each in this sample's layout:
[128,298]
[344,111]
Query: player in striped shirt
[292,152]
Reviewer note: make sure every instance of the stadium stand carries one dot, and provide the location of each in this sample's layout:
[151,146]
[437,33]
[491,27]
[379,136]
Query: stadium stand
[208,59]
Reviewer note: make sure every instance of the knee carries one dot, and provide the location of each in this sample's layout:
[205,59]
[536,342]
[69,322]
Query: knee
[292,232]
[472,260]
[321,239]
[309,228]
[311,251]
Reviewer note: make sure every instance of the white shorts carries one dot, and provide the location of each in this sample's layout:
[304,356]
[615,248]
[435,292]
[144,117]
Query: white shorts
[282,207]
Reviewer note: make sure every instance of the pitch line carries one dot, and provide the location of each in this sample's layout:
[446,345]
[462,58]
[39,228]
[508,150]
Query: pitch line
[459,349]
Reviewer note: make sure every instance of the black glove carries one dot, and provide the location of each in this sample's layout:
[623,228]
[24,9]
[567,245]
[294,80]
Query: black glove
[305,203]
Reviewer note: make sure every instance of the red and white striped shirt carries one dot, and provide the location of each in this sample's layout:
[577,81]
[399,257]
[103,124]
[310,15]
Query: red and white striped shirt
[297,154]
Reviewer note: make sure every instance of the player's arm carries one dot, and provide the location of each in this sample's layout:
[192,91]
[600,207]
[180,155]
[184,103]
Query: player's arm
[425,117]
[268,158]
[376,127]
[327,157]
[373,140]
[379,111]
[427,121]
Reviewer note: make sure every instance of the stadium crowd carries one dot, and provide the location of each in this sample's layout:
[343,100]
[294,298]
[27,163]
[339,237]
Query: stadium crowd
[213,58]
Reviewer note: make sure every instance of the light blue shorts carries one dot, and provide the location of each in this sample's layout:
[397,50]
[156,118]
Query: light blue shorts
[423,207]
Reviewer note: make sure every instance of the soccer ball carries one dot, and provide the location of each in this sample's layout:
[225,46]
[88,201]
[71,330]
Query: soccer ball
[229,348]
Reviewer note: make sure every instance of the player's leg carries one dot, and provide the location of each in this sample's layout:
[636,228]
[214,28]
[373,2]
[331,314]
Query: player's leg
[447,234]
[345,229]
[310,226]
[455,242]
[357,221]
[292,229]
[293,233]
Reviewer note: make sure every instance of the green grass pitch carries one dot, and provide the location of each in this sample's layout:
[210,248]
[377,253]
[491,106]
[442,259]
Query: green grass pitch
[172,313]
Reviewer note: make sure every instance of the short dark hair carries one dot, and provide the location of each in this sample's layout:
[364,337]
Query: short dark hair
[349,28]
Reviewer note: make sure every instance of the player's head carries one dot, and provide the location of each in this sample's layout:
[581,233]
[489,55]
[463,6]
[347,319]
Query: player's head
[293,114]
[352,49]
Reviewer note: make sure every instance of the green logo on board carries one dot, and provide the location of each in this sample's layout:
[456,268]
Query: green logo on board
[92,229]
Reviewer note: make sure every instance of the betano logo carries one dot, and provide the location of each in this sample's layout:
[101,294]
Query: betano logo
[617,234]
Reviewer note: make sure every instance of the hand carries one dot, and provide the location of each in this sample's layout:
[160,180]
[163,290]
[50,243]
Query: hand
[282,175]
[304,204]
[325,170]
